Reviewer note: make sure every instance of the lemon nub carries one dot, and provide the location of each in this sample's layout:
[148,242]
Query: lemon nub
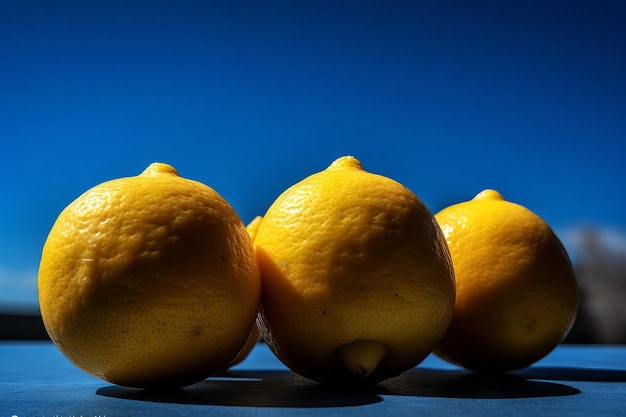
[362,357]
[488,194]
[345,162]
[159,168]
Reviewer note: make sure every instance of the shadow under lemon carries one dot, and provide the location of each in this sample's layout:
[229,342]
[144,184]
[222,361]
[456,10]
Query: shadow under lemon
[285,389]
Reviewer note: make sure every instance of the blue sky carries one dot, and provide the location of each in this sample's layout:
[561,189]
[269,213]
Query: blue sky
[448,98]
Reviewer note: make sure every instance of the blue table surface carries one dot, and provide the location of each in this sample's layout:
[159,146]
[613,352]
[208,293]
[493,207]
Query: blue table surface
[37,381]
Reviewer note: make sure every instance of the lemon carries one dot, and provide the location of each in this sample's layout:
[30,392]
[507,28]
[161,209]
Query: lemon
[149,281]
[253,227]
[516,291]
[357,278]
[255,335]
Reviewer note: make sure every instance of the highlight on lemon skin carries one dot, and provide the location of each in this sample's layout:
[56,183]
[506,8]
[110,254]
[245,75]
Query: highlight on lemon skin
[516,292]
[358,283]
[149,281]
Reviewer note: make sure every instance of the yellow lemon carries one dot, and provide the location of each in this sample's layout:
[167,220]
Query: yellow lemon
[253,227]
[149,281]
[516,291]
[253,339]
[357,278]
[255,335]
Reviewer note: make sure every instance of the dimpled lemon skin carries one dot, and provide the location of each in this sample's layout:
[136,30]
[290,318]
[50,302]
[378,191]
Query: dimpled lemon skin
[357,278]
[149,281]
[516,291]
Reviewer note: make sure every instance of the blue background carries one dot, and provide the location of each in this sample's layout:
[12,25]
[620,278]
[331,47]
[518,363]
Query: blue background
[448,97]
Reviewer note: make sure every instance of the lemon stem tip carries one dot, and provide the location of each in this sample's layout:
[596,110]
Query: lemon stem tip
[157,168]
[488,194]
[362,357]
[348,161]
